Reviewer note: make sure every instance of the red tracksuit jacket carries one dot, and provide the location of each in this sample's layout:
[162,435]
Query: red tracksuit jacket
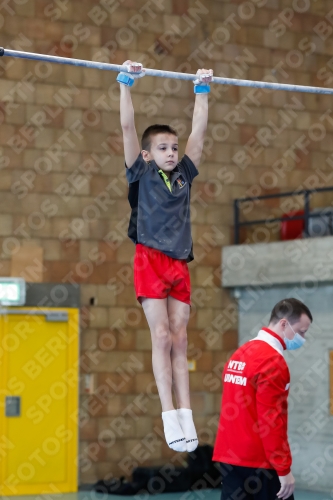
[254,412]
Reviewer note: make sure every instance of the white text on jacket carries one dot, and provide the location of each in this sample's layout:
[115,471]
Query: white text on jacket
[236,365]
[235,379]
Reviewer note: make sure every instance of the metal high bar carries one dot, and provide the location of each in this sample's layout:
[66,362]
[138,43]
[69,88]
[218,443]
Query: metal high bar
[163,74]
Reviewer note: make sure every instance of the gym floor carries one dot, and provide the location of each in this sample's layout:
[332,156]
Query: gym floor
[194,495]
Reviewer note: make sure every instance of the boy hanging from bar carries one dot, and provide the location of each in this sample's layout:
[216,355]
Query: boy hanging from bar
[159,196]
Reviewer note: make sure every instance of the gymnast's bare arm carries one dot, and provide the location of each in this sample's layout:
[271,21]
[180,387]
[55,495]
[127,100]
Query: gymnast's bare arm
[199,122]
[130,137]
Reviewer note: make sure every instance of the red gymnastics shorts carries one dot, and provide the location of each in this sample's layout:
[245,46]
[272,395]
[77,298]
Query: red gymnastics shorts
[156,275]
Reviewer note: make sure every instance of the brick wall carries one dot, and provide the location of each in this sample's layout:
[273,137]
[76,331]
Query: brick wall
[63,187]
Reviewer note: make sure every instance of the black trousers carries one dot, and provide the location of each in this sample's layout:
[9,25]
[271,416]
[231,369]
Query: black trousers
[248,483]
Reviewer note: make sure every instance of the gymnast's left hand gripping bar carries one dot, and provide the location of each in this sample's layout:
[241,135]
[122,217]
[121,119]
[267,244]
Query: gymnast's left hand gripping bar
[165,74]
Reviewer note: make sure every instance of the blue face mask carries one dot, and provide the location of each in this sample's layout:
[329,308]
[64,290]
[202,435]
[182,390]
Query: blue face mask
[294,343]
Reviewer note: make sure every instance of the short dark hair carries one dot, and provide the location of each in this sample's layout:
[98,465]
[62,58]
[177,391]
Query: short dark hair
[291,309]
[154,130]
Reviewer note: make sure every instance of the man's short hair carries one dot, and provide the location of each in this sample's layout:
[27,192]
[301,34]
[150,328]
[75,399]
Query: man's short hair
[291,309]
[154,130]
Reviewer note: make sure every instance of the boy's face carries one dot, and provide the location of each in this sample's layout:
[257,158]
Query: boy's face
[164,151]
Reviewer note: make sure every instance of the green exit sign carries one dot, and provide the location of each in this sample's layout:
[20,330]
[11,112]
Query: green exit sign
[12,291]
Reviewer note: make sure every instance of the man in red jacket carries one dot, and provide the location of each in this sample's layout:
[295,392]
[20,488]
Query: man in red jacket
[252,442]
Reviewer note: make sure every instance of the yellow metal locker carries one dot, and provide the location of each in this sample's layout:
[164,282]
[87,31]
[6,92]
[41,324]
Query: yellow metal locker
[38,400]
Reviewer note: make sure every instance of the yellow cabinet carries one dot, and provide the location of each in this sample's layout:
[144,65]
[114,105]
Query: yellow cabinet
[38,400]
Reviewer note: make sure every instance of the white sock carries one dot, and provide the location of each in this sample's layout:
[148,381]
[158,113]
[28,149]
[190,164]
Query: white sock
[186,423]
[173,433]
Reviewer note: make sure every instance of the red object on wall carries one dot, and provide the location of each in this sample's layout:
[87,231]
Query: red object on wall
[292,229]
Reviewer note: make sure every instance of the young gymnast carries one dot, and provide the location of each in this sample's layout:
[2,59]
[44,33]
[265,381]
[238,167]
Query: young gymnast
[159,195]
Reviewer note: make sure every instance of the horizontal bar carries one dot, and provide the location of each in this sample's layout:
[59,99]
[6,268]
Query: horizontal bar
[164,74]
[283,219]
[280,195]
